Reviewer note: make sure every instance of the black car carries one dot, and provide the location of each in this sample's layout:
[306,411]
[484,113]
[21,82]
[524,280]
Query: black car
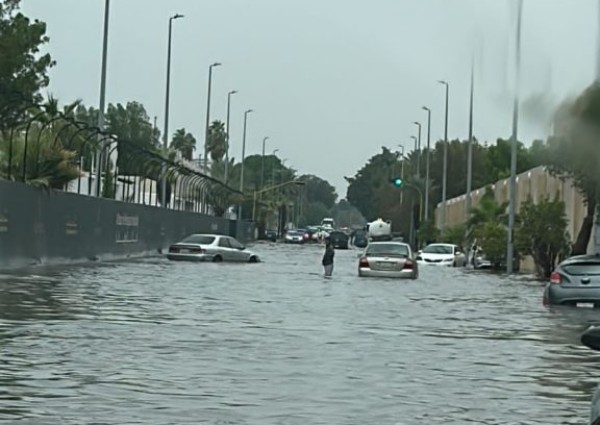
[360,239]
[271,235]
[575,281]
[339,239]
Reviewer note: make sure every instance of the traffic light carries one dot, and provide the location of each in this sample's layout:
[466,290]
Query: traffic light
[397,181]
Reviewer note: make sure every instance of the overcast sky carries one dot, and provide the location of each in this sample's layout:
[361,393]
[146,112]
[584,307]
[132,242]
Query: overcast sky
[331,81]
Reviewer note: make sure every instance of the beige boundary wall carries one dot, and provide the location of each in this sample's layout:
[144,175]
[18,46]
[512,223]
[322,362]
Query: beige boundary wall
[537,183]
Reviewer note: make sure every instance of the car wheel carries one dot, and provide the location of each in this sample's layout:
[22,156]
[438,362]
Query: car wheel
[253,259]
[217,259]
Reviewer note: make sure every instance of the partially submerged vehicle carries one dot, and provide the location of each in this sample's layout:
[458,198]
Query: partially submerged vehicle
[215,248]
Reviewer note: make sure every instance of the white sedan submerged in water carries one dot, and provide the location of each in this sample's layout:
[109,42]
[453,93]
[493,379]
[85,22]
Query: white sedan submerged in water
[442,254]
[215,248]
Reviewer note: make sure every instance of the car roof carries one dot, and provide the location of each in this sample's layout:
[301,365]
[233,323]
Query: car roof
[593,258]
[389,242]
[440,244]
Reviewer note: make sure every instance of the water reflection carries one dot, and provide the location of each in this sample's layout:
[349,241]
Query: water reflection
[155,342]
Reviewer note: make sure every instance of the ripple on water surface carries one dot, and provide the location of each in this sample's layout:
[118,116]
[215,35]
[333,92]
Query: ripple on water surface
[155,342]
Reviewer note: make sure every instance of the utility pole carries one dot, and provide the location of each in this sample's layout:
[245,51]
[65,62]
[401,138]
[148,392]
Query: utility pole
[513,151]
[427,160]
[445,166]
[98,155]
[470,146]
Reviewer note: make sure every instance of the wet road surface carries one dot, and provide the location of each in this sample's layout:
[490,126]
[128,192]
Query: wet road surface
[154,342]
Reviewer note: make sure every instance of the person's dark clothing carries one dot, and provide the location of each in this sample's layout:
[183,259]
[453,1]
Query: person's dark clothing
[328,256]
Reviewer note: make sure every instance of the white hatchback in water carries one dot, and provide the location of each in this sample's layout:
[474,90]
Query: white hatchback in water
[442,254]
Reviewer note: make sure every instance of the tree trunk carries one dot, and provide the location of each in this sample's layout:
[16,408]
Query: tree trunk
[583,238]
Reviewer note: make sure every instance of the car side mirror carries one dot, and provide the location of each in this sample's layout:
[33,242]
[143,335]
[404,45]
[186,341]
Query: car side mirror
[419,252]
[241,248]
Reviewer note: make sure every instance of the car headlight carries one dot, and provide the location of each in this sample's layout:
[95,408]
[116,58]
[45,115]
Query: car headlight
[419,258]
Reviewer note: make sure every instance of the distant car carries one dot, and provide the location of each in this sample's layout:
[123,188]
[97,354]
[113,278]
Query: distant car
[360,239]
[309,234]
[216,248]
[442,254]
[388,259]
[576,282]
[271,235]
[294,237]
[339,239]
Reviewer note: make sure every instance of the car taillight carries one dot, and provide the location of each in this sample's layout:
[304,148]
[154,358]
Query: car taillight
[555,278]
[408,265]
[198,250]
[364,263]
[173,249]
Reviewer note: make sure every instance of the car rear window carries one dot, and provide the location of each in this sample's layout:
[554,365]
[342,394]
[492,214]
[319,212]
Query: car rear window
[582,269]
[199,239]
[388,248]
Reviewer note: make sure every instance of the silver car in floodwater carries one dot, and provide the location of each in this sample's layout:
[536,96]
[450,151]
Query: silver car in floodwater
[215,248]
[388,259]
[576,282]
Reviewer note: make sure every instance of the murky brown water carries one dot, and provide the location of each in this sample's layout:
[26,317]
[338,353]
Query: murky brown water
[155,342]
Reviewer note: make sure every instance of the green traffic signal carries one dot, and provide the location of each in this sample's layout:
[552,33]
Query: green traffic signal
[397,182]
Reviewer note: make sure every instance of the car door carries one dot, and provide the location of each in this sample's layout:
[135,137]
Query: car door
[225,249]
[237,250]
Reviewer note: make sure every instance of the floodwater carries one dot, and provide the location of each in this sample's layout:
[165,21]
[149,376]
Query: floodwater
[153,342]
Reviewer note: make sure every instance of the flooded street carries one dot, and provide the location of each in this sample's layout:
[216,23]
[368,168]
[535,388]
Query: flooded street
[154,342]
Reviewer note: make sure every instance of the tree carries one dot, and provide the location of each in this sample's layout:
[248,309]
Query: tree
[573,153]
[455,235]
[217,140]
[23,70]
[131,125]
[488,211]
[542,233]
[184,143]
[314,212]
[346,215]
[364,189]
[492,238]
[318,190]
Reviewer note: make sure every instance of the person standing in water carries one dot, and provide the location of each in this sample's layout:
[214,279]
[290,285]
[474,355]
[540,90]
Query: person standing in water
[328,258]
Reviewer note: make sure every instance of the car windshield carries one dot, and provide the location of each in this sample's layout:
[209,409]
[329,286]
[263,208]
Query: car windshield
[581,269]
[438,249]
[294,232]
[199,239]
[387,249]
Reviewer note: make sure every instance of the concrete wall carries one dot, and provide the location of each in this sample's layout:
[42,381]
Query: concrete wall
[537,183]
[55,227]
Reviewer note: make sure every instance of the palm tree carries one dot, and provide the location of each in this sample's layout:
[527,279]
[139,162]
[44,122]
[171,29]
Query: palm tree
[488,211]
[184,143]
[217,140]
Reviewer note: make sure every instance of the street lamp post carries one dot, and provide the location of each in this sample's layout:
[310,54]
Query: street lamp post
[425,108]
[273,166]
[248,111]
[418,149]
[262,165]
[206,129]
[102,93]
[167,98]
[227,131]
[513,150]
[445,166]
[468,200]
